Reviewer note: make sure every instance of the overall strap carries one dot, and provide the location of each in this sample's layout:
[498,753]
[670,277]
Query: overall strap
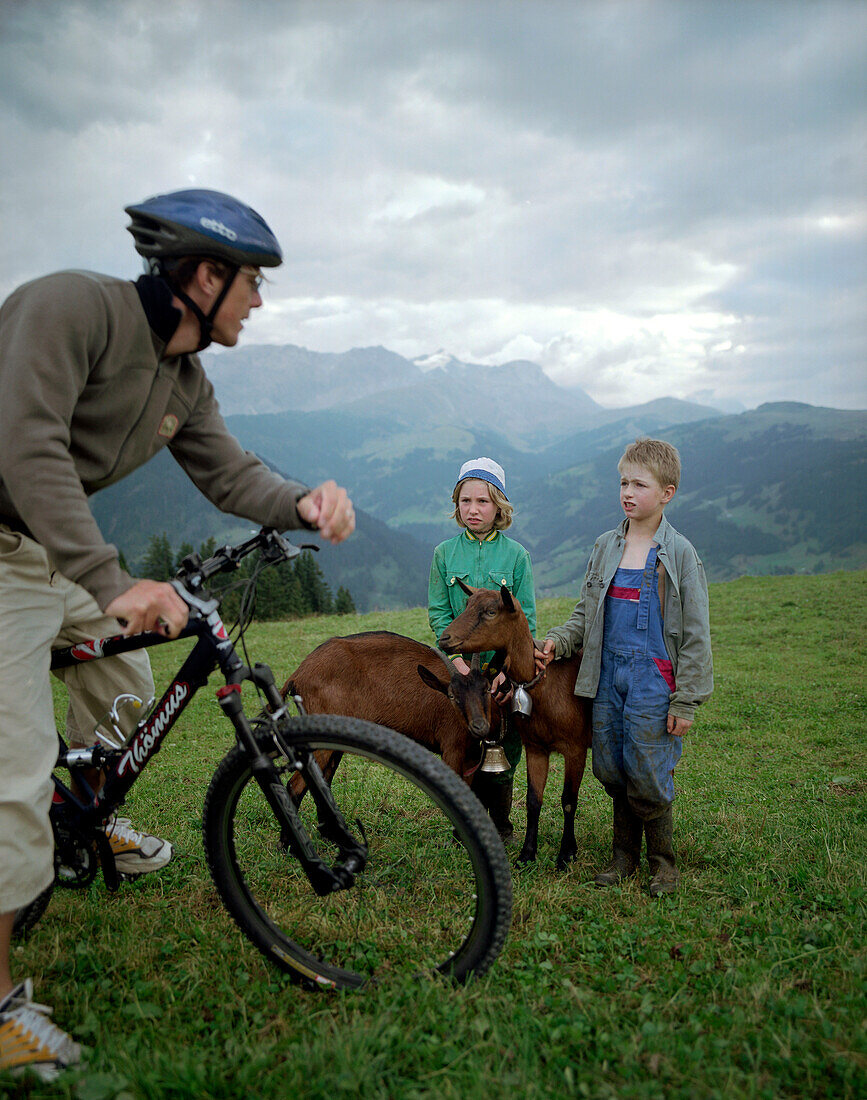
[648,582]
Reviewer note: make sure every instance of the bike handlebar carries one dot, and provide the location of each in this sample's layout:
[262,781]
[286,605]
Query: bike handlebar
[275,549]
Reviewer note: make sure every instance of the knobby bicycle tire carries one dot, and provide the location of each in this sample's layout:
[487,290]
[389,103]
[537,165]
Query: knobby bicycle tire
[436,895]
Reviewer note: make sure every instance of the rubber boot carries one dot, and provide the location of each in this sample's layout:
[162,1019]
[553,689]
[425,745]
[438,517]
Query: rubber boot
[660,854]
[497,800]
[626,848]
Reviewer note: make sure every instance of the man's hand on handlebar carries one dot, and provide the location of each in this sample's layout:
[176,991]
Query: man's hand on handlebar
[329,509]
[150,605]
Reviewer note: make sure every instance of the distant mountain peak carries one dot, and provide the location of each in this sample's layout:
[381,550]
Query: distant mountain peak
[439,358]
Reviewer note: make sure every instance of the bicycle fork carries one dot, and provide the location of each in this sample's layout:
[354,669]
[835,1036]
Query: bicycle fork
[323,878]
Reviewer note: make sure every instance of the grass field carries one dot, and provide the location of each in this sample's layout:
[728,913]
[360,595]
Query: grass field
[750,982]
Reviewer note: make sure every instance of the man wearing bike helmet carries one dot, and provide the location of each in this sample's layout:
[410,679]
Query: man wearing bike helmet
[97,375]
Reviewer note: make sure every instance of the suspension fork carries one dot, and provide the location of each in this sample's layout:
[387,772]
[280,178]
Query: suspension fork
[323,878]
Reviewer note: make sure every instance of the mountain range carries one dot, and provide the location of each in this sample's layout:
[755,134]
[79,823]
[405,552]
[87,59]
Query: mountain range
[775,489]
[517,399]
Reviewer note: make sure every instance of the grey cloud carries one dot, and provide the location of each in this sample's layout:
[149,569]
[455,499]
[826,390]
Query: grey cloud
[629,157]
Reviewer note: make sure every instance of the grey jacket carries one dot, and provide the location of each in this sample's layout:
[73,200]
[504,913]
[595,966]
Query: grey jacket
[87,395]
[686,623]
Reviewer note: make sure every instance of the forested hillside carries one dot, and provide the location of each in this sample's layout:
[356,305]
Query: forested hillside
[773,490]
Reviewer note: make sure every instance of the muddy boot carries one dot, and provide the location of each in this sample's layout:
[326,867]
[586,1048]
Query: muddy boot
[660,854]
[626,847]
[497,800]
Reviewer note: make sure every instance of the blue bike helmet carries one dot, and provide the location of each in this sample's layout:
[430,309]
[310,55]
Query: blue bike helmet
[202,223]
[210,224]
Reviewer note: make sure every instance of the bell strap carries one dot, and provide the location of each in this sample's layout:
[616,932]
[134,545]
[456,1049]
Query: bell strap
[530,683]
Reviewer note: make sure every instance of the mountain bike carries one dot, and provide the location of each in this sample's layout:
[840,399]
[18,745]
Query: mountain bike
[385,865]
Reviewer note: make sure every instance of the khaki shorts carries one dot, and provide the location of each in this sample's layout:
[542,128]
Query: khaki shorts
[40,609]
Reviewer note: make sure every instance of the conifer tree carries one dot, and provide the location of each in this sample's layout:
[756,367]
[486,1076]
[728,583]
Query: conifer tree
[316,593]
[158,563]
[344,604]
[184,549]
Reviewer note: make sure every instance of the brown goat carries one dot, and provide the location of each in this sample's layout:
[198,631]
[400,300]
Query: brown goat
[375,676]
[560,721]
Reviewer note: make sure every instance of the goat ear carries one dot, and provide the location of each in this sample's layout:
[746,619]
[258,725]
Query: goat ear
[464,586]
[432,680]
[506,597]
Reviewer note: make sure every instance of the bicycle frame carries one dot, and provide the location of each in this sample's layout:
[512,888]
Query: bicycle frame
[123,766]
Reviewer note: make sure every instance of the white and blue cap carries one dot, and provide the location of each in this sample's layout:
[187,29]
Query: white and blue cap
[484,469]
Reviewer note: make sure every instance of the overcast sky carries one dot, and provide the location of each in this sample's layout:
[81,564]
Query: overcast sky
[647,198]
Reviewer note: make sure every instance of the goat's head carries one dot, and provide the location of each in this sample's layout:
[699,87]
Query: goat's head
[491,620]
[470,695]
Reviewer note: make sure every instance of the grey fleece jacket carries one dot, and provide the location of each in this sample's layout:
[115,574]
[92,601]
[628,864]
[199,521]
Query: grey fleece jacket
[87,395]
[686,623]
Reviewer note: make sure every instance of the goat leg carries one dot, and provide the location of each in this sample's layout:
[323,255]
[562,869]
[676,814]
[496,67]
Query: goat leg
[574,771]
[537,777]
[454,757]
[327,761]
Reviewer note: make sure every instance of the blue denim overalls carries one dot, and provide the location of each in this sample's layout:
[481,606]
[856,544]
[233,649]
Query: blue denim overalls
[632,750]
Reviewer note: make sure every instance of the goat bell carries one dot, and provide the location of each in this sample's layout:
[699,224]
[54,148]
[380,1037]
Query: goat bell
[495,760]
[521,701]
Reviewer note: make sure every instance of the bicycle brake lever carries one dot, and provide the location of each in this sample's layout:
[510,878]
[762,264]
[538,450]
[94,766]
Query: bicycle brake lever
[195,603]
[277,548]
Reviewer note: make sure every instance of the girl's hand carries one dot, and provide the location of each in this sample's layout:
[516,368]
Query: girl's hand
[501,688]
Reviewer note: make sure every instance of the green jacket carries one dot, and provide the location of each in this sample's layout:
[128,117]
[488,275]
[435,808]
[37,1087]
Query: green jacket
[489,563]
[686,622]
[87,395]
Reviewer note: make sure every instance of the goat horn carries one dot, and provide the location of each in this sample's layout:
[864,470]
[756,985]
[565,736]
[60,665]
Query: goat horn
[476,662]
[463,585]
[444,660]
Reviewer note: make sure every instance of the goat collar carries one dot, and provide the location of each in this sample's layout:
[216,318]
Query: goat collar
[530,683]
[470,772]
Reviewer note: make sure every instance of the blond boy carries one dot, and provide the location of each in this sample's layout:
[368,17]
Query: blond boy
[642,620]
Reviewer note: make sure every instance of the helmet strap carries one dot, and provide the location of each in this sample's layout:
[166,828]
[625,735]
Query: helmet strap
[206,322]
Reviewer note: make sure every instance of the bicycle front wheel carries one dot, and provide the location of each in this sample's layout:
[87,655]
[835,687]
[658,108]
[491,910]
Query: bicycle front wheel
[436,893]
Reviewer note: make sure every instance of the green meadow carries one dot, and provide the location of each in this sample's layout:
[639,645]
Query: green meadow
[750,982]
